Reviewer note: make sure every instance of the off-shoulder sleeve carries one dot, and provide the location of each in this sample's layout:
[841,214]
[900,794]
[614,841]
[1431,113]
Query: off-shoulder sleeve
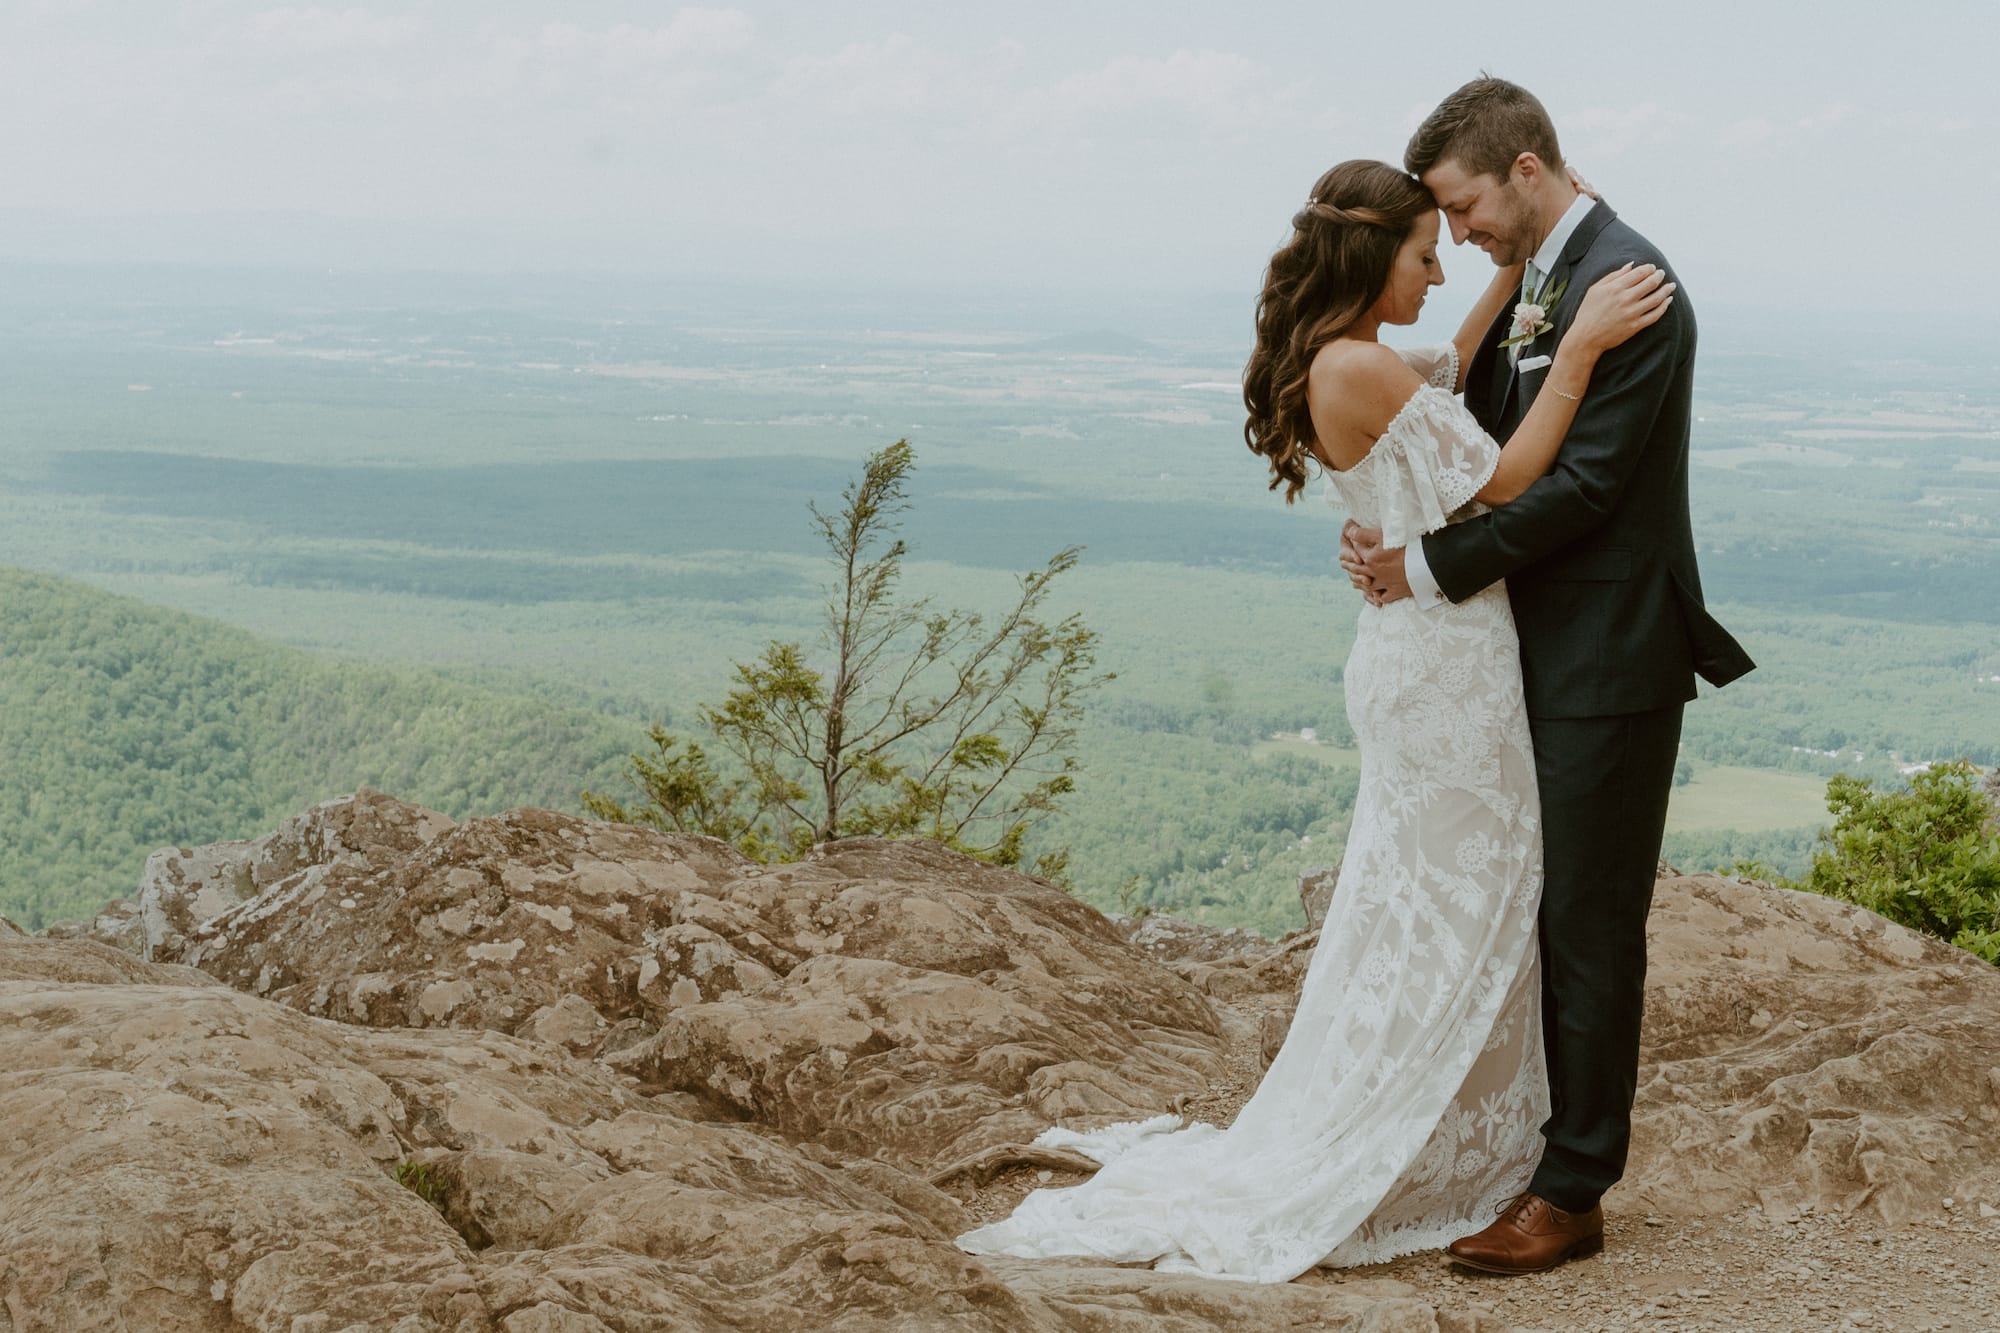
[1438,365]
[1435,458]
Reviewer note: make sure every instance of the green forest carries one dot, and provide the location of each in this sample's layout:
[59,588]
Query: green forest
[126,727]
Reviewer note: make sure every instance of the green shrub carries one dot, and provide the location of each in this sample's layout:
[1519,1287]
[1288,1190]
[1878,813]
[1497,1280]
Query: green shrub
[908,721]
[1926,856]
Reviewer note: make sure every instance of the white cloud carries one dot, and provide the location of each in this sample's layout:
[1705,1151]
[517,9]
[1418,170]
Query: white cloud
[1598,133]
[1750,132]
[1774,132]
[989,94]
[1829,117]
[1041,141]
[1208,81]
[316,29]
[897,76]
[625,49]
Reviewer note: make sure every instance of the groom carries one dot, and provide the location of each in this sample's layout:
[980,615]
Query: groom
[1600,568]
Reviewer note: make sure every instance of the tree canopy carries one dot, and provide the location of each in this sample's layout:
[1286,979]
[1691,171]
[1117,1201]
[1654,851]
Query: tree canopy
[126,727]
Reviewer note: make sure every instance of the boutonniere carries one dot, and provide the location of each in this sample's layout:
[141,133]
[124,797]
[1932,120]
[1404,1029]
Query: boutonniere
[1531,317]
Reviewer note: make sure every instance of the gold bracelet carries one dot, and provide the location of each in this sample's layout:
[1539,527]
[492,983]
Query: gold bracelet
[1573,397]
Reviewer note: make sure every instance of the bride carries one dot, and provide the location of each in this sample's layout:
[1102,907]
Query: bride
[1404,1106]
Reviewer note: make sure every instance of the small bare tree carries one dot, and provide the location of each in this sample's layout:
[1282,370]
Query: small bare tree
[924,723]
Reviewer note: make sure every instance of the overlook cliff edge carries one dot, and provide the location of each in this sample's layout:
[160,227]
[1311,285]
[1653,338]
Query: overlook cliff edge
[378,1069]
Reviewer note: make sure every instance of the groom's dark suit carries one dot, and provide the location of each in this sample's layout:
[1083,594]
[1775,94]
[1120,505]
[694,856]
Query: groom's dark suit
[1600,568]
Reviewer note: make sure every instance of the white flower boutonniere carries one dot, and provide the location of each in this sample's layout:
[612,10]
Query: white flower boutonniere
[1531,317]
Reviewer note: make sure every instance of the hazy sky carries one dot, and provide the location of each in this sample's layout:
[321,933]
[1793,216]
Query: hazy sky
[1834,155]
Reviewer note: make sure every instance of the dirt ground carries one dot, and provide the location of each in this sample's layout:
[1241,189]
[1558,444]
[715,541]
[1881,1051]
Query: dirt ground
[1806,1273]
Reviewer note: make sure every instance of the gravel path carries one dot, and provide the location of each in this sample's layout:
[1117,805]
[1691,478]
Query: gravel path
[1746,1272]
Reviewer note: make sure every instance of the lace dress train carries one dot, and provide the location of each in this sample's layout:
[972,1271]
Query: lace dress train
[1405,1103]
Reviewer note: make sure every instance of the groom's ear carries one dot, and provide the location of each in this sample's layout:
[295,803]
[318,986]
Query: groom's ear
[1529,168]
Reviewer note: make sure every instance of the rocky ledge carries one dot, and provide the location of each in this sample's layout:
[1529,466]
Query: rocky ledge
[381,1070]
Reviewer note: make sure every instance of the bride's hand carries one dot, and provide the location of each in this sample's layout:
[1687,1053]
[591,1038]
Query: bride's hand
[1582,186]
[1618,305]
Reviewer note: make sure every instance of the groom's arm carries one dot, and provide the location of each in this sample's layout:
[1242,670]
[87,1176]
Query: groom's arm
[1423,584]
[1628,389]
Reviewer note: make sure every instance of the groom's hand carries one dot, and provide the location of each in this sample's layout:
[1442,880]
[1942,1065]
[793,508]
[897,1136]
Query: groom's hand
[1375,570]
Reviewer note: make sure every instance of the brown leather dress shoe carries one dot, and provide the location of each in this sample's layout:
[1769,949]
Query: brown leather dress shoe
[1532,1235]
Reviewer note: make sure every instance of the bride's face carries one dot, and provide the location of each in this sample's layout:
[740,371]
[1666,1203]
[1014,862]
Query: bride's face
[1412,274]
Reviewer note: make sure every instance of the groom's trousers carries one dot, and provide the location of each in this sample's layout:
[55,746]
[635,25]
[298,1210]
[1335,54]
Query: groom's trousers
[1604,783]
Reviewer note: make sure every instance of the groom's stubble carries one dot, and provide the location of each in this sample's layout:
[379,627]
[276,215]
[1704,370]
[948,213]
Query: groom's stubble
[1531,215]
[1513,213]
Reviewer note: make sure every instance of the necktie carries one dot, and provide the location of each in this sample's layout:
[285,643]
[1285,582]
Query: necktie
[1531,282]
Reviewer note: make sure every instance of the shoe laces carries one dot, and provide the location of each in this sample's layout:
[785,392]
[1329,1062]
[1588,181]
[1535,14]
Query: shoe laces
[1517,1204]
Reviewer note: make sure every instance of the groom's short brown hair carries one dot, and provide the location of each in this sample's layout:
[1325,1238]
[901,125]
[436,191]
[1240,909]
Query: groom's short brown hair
[1483,127]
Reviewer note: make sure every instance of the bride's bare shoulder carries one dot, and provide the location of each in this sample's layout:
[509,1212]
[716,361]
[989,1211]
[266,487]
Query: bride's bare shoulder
[1345,357]
[1362,382]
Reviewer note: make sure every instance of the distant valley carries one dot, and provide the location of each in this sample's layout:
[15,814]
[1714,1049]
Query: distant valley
[512,525]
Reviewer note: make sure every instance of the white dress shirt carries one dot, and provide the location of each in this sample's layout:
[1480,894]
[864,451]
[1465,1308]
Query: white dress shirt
[1423,587]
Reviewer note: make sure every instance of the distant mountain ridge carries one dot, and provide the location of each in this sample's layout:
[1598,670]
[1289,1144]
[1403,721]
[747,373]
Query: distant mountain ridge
[125,727]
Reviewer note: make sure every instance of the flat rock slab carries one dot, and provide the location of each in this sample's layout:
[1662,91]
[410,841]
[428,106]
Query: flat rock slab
[1801,1051]
[176,1155]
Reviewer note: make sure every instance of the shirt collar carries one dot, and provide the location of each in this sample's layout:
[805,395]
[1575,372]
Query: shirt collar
[1552,248]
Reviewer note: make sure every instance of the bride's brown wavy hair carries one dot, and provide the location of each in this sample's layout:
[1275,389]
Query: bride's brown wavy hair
[1318,284]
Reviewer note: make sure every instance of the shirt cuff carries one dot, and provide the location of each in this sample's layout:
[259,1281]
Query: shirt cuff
[1417,570]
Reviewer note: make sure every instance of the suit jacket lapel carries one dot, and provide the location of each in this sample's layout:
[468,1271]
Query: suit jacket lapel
[1511,381]
[1594,222]
[1573,251]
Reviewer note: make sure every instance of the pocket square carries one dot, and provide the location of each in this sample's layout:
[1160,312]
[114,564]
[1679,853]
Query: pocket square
[1528,363]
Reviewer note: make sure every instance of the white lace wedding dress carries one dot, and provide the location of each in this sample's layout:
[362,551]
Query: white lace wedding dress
[1405,1105]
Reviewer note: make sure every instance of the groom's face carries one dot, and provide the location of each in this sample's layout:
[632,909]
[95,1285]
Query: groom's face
[1495,214]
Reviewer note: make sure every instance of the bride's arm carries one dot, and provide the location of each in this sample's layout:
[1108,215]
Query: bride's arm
[1506,284]
[1615,308]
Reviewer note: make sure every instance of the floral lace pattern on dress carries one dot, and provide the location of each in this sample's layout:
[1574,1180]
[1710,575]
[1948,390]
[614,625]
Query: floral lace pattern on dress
[1406,1101]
